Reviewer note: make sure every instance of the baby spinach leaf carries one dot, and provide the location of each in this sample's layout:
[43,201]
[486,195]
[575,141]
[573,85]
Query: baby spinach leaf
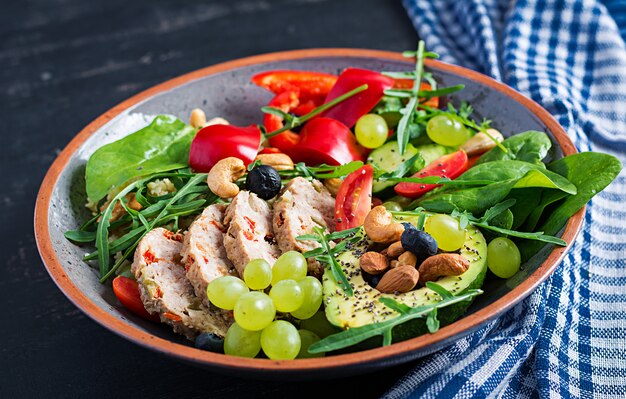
[531,146]
[526,200]
[161,146]
[548,197]
[591,172]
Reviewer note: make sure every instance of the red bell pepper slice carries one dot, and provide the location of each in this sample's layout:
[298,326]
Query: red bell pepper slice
[450,166]
[408,84]
[354,198]
[216,142]
[313,86]
[350,110]
[126,291]
[287,101]
[325,140]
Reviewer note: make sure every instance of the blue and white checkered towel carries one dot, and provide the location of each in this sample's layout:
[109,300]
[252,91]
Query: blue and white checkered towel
[568,339]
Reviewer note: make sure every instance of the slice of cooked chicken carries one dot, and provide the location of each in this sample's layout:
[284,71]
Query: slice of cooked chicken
[249,235]
[165,289]
[203,253]
[303,205]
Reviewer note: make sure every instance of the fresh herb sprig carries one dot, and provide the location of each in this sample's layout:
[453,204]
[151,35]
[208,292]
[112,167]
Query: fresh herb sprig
[311,172]
[355,335]
[327,252]
[292,121]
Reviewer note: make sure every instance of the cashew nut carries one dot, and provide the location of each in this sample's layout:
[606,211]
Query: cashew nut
[223,175]
[442,265]
[276,161]
[332,185]
[197,118]
[481,143]
[216,121]
[395,250]
[380,226]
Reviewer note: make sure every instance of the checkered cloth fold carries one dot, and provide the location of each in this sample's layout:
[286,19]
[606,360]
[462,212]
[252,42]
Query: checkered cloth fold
[567,339]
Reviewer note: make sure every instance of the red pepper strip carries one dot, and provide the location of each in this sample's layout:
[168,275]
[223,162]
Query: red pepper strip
[126,291]
[354,198]
[313,86]
[325,140]
[270,150]
[216,142]
[286,101]
[408,84]
[350,110]
[450,166]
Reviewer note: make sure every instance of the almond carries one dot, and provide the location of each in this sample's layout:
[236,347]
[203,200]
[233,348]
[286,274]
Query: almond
[395,250]
[374,262]
[408,258]
[442,265]
[394,263]
[401,279]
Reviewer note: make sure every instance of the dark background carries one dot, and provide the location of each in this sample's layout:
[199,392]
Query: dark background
[63,63]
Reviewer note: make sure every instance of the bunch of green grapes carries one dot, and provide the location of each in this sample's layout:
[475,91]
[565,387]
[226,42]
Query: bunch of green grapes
[255,300]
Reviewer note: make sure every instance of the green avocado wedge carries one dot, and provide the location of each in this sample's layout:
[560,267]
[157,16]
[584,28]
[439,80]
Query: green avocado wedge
[365,306]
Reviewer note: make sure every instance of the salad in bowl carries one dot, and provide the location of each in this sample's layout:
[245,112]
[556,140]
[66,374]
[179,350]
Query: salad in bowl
[363,209]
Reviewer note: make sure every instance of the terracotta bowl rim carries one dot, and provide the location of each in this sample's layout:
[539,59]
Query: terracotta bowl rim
[382,354]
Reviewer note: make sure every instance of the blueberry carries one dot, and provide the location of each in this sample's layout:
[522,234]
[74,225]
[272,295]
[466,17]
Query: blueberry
[422,244]
[372,279]
[210,342]
[264,181]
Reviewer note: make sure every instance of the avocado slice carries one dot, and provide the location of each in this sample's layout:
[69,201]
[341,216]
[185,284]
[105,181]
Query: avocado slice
[365,308]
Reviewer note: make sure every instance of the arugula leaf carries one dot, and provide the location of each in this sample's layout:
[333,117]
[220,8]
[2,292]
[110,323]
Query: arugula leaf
[411,165]
[161,146]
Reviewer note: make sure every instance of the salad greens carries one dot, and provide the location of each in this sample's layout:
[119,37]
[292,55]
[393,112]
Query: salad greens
[531,146]
[161,146]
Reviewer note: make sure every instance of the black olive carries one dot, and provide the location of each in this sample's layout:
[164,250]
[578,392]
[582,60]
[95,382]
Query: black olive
[264,181]
[372,279]
[422,244]
[210,342]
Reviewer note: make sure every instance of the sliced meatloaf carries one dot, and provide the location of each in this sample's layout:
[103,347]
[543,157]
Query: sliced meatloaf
[303,205]
[165,289]
[250,235]
[203,252]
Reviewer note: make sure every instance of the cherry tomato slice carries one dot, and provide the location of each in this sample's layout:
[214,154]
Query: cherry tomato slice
[312,85]
[408,84]
[354,198]
[450,166]
[127,292]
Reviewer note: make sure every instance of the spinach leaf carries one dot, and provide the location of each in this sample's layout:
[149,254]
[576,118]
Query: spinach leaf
[531,146]
[548,197]
[161,146]
[591,172]
[526,200]
[507,175]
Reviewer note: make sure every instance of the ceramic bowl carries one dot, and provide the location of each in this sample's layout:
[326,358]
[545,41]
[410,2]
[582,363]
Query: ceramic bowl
[225,90]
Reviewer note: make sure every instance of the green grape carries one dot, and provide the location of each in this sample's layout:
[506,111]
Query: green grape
[254,311]
[280,340]
[503,257]
[392,206]
[307,338]
[225,291]
[371,130]
[287,295]
[258,274]
[446,231]
[290,266]
[319,324]
[241,342]
[447,130]
[312,289]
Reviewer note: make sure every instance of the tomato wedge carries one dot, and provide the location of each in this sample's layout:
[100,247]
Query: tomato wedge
[354,198]
[127,292]
[313,86]
[450,166]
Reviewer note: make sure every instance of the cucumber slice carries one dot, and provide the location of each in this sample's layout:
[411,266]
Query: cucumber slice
[388,158]
[430,152]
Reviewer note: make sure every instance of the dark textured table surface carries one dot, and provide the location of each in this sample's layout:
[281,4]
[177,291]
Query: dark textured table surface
[64,62]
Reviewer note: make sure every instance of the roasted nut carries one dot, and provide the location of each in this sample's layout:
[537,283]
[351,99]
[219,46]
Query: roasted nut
[216,121]
[222,176]
[197,118]
[395,250]
[401,279]
[132,202]
[332,185]
[481,142]
[394,264]
[380,226]
[442,265]
[374,262]
[276,161]
[408,258]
